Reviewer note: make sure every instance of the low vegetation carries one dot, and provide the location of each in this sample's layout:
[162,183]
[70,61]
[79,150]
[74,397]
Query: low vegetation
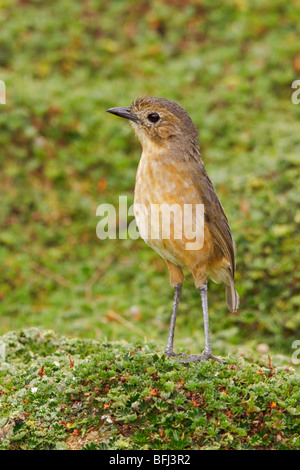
[85,320]
[74,393]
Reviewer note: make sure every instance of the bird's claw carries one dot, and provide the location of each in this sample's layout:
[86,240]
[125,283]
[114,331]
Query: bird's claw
[195,357]
[171,353]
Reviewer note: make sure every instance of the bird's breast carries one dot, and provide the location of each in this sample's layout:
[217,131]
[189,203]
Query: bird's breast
[160,179]
[167,205]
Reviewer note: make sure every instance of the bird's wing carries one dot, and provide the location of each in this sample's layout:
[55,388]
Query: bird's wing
[215,216]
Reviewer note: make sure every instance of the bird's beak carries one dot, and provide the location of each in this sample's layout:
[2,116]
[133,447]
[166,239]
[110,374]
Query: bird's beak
[124,112]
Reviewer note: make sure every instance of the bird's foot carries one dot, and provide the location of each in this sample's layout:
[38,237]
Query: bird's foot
[196,357]
[171,353]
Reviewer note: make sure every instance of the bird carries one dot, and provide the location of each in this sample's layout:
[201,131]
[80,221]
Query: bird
[171,172]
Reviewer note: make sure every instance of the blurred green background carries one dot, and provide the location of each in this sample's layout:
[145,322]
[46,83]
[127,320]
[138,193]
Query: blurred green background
[230,64]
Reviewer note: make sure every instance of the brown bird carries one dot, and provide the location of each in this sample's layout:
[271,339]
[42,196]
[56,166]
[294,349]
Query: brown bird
[171,173]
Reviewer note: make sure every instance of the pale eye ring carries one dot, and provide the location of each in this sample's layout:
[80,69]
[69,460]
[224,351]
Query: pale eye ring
[153,117]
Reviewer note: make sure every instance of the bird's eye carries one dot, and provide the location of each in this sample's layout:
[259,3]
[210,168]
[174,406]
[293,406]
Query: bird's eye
[153,117]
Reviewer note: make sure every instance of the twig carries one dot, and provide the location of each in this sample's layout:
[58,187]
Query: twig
[89,285]
[117,317]
[51,275]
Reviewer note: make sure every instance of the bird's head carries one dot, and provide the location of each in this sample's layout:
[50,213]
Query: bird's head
[158,122]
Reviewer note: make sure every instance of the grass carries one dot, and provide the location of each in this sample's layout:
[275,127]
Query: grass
[231,65]
[60,393]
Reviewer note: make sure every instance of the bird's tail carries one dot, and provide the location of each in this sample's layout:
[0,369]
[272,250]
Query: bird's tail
[232,297]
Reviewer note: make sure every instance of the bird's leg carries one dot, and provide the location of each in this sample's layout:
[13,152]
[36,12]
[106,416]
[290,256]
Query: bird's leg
[203,292]
[169,349]
[207,353]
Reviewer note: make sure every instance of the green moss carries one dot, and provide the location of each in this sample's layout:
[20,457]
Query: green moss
[231,65]
[57,391]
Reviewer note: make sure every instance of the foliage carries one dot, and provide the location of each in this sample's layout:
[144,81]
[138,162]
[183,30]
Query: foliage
[66,392]
[64,63]
[231,65]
